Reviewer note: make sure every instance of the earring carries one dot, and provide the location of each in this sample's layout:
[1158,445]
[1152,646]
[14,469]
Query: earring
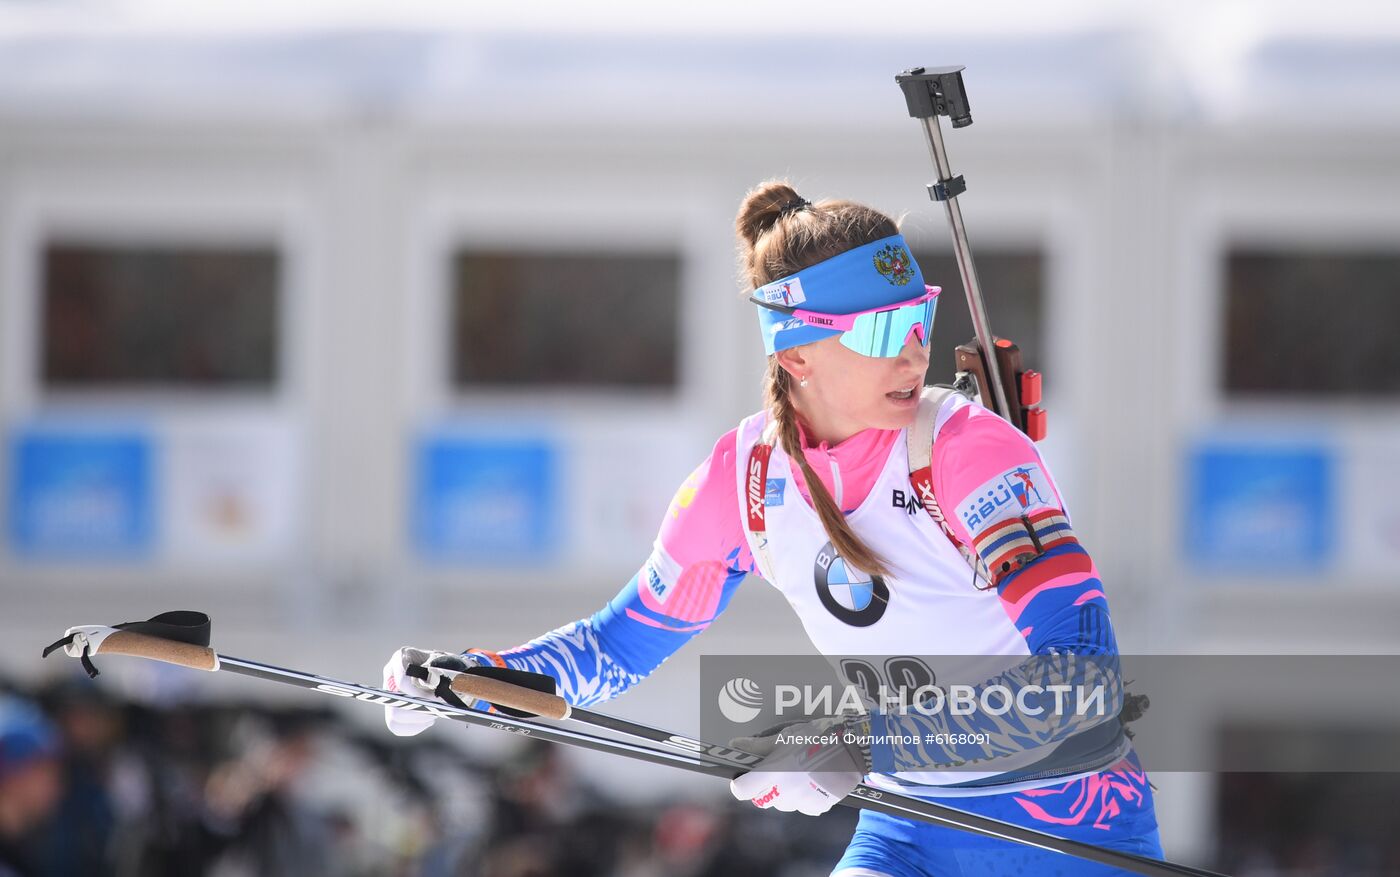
[803,382]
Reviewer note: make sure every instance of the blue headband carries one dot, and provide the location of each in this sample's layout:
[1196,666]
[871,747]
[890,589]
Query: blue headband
[870,276]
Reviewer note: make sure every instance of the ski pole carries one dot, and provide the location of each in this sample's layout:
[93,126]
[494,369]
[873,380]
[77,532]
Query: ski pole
[182,638]
[930,92]
[82,642]
[501,693]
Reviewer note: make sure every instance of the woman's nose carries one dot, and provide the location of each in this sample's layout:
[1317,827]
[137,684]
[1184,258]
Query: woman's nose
[914,352]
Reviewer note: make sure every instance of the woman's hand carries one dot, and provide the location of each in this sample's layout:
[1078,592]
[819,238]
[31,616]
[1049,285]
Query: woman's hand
[408,723]
[809,767]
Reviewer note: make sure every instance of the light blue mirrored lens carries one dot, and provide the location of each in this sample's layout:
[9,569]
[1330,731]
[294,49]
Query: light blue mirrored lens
[883,333]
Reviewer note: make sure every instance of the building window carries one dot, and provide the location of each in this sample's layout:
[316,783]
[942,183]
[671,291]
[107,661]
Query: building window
[530,318]
[1013,287]
[1306,323]
[154,317]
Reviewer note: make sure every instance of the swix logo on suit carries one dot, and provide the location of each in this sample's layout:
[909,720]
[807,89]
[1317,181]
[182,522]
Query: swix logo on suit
[1011,494]
[757,486]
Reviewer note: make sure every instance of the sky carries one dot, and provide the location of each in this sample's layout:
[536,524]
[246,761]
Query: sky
[1223,58]
[1188,20]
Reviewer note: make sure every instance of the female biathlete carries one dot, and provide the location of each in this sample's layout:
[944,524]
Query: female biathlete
[845,318]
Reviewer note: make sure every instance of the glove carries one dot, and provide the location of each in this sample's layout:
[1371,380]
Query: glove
[407,723]
[808,767]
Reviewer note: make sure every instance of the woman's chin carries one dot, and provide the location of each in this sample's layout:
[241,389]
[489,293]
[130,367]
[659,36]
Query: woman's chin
[894,416]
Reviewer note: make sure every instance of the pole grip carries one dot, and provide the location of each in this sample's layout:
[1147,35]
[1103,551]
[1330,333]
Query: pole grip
[470,687]
[139,645]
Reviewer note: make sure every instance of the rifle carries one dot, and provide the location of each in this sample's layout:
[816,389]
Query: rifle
[1000,379]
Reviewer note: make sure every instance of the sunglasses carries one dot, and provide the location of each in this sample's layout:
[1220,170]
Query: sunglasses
[880,332]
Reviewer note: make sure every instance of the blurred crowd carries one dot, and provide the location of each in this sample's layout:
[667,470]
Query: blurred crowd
[1309,824]
[93,785]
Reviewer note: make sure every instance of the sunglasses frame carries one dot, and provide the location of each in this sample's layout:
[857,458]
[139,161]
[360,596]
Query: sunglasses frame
[844,323]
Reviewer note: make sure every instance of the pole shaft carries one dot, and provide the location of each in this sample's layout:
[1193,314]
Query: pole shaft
[706,762]
[354,691]
[868,798]
[933,134]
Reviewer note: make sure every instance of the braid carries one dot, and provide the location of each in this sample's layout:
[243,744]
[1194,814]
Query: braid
[778,401]
[780,233]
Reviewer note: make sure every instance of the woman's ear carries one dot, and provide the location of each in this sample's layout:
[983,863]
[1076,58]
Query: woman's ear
[793,360]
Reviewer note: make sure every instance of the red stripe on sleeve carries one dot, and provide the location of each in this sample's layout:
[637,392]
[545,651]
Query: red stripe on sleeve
[1043,570]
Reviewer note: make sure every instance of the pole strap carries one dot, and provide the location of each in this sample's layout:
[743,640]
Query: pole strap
[180,626]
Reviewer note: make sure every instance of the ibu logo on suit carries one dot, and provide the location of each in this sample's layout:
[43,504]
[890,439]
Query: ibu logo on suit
[1022,483]
[847,593]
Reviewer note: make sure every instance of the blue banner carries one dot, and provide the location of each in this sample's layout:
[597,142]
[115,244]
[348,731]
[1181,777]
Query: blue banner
[1261,508]
[81,495]
[486,500]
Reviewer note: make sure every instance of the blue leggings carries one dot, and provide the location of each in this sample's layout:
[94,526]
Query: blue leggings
[1112,809]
